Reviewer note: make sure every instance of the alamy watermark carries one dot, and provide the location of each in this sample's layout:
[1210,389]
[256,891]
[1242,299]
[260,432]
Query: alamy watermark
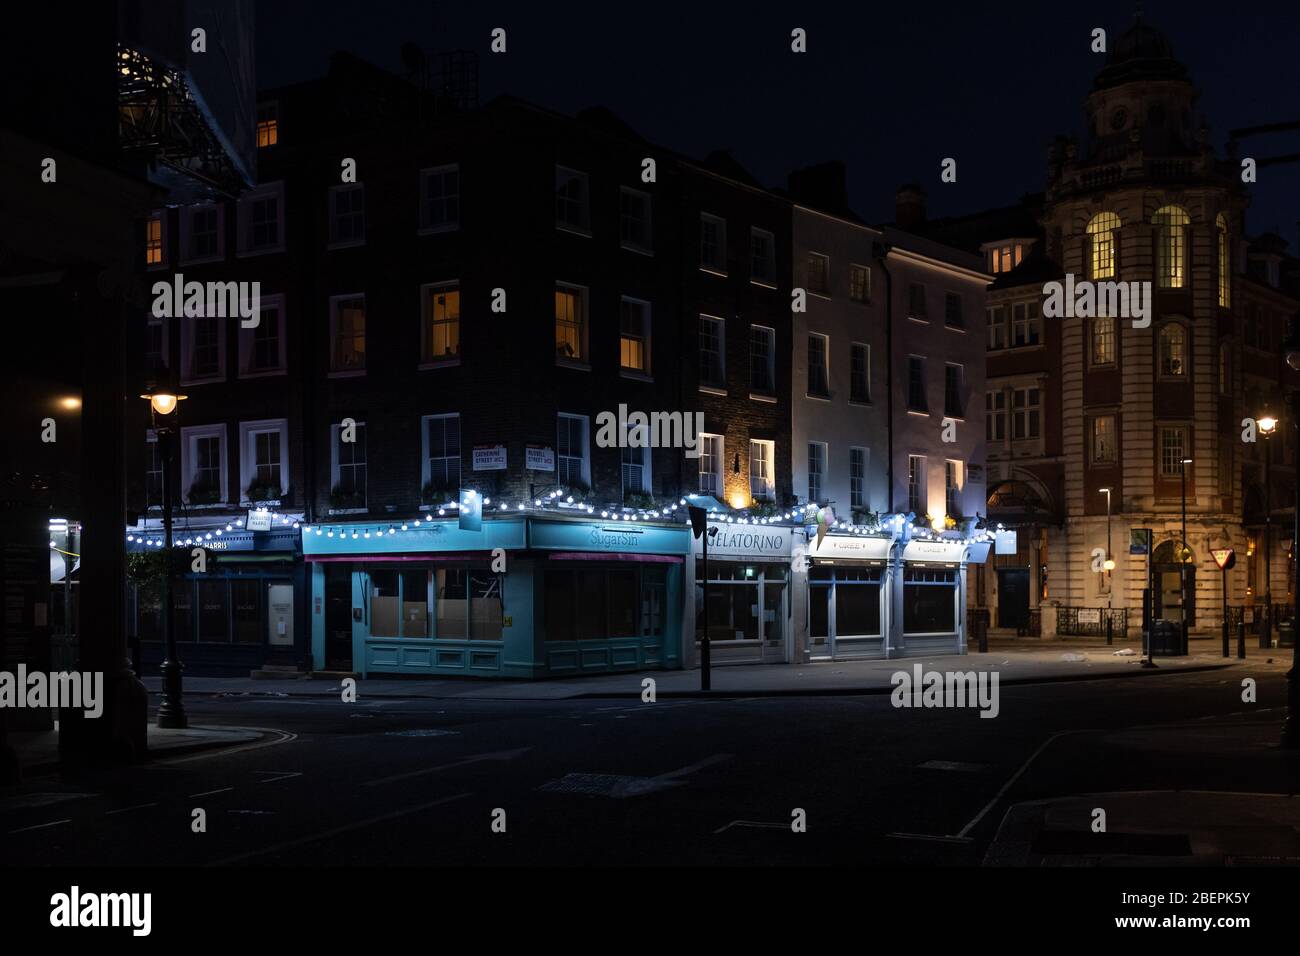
[66,690]
[76,909]
[1089,299]
[922,688]
[626,429]
[222,300]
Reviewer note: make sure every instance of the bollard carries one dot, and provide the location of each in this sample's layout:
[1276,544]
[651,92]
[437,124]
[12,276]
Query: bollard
[1110,630]
[1241,639]
[1225,632]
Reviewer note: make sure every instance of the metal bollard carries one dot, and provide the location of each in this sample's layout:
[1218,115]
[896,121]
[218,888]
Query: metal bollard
[1110,630]
[1225,632]
[1241,640]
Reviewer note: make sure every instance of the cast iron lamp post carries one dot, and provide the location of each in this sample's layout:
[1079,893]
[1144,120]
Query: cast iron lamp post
[1291,727]
[1267,425]
[171,712]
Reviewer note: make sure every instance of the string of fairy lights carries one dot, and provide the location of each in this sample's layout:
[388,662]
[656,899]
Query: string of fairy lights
[560,502]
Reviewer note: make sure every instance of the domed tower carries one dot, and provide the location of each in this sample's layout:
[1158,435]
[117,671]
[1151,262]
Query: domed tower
[1150,400]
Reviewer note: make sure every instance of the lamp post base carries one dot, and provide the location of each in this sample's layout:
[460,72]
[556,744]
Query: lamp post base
[171,712]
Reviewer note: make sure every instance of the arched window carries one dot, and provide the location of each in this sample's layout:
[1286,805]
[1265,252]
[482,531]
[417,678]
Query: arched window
[1173,351]
[1171,247]
[1225,262]
[1101,243]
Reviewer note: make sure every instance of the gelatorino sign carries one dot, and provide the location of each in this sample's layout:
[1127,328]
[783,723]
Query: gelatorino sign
[748,542]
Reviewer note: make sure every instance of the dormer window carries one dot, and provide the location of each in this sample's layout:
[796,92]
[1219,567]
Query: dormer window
[1006,257]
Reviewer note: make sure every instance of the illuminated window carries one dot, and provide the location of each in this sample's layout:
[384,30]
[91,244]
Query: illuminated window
[268,125]
[153,240]
[1225,263]
[634,335]
[570,323]
[952,487]
[1173,449]
[1103,340]
[1007,257]
[441,308]
[1103,439]
[1101,235]
[1171,247]
[348,333]
[1173,351]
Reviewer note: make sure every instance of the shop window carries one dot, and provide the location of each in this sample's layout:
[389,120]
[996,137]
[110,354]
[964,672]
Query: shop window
[857,602]
[622,603]
[246,611]
[450,603]
[929,601]
[467,604]
[399,603]
[484,606]
[589,604]
[214,612]
[183,603]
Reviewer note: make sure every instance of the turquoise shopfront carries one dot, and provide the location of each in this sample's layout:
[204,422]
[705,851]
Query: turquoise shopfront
[526,596]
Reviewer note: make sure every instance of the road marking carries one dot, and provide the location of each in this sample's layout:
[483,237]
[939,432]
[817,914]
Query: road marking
[326,834]
[754,824]
[283,775]
[931,838]
[499,755]
[40,826]
[208,793]
[129,809]
[284,738]
[1016,776]
[952,765]
[620,786]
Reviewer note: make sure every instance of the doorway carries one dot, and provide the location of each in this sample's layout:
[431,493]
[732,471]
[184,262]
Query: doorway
[1167,574]
[338,617]
[1013,597]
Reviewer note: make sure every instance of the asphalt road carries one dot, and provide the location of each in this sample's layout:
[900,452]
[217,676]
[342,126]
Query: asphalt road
[620,781]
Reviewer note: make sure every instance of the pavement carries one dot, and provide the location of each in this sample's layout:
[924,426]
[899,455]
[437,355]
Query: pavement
[1016,662]
[38,750]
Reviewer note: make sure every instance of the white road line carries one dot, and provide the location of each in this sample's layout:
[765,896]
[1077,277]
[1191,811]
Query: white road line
[208,793]
[141,806]
[326,834]
[1016,776]
[284,738]
[752,823]
[478,758]
[40,826]
[283,775]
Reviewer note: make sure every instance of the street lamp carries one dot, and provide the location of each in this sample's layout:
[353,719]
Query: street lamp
[162,404]
[1267,426]
[1183,553]
[1291,727]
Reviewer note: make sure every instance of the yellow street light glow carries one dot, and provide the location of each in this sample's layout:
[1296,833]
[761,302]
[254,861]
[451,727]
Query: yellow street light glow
[938,523]
[1267,425]
[164,403]
[738,500]
[70,402]
[1109,564]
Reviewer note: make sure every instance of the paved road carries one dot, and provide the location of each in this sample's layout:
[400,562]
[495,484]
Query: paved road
[622,782]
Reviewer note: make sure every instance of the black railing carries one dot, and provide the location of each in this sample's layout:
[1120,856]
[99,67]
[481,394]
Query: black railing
[1091,621]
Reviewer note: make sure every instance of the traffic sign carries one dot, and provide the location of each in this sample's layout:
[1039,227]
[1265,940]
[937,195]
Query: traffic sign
[1225,558]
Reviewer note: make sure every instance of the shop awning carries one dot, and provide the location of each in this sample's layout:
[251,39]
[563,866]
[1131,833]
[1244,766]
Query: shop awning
[615,556]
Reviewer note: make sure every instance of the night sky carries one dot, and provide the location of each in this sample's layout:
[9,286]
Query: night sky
[889,89]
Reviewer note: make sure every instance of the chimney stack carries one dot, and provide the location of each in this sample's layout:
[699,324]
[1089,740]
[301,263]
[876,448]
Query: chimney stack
[909,206]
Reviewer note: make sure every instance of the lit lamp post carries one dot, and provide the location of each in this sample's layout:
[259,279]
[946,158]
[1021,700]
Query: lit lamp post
[171,712]
[1291,728]
[1183,554]
[1110,559]
[1267,426]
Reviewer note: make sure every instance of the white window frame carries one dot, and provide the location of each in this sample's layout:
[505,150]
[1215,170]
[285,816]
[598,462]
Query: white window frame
[424,227]
[188,343]
[332,215]
[866,347]
[427,359]
[248,432]
[768,477]
[713,388]
[767,281]
[646,248]
[770,337]
[645,373]
[248,340]
[711,463]
[858,482]
[822,458]
[585,469]
[717,269]
[189,435]
[584,227]
[582,360]
[922,504]
[644,454]
[1022,412]
[336,432]
[244,218]
[825,365]
[823,291]
[334,334]
[425,471]
[187,214]
[995,411]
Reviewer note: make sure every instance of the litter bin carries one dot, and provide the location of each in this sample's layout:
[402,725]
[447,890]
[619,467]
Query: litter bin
[1286,634]
[1166,639]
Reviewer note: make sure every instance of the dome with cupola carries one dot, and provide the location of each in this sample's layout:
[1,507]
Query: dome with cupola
[1141,53]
